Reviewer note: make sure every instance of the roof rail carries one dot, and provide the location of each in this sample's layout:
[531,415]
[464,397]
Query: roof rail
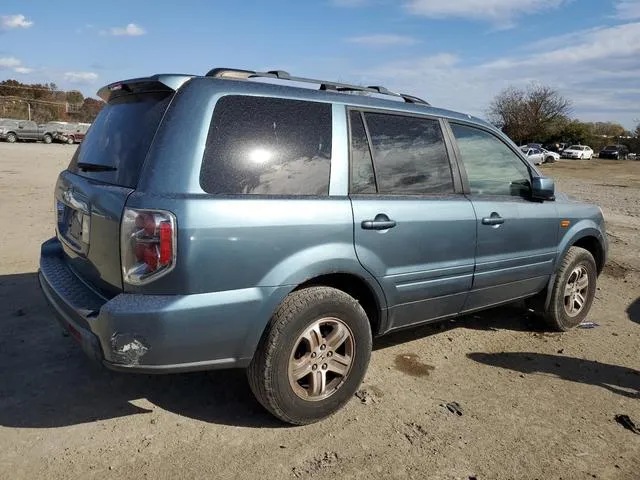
[238,74]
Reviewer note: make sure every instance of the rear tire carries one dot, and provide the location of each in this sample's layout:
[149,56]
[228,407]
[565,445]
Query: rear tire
[12,138]
[573,291]
[70,141]
[293,373]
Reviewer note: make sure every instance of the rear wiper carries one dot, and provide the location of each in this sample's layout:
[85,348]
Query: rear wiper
[94,167]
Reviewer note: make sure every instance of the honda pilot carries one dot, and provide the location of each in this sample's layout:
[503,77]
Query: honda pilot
[221,221]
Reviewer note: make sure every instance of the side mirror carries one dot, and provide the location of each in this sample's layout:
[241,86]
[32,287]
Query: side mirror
[542,188]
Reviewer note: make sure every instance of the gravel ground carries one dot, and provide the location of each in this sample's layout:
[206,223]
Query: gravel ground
[532,404]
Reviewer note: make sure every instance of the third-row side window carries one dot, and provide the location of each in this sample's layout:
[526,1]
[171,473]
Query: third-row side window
[409,156]
[268,146]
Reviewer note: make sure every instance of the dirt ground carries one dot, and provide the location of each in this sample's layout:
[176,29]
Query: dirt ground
[533,404]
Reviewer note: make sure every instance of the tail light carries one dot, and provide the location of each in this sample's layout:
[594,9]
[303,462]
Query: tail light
[148,245]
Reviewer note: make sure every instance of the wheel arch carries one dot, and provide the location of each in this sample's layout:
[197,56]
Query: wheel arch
[590,239]
[363,288]
[360,289]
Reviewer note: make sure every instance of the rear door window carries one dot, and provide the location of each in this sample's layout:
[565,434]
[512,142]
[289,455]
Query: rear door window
[268,146]
[362,176]
[409,155]
[117,143]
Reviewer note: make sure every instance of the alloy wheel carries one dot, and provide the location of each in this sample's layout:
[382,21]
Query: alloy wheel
[576,291]
[321,359]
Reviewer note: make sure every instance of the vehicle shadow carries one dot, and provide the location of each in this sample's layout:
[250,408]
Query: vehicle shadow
[633,311]
[46,381]
[514,317]
[621,380]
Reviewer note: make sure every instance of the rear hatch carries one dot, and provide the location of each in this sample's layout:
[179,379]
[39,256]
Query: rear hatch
[91,194]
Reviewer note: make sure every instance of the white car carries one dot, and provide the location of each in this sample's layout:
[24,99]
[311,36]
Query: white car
[535,155]
[581,152]
[550,157]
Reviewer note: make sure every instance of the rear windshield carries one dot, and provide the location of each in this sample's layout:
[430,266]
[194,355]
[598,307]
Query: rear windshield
[611,147]
[119,138]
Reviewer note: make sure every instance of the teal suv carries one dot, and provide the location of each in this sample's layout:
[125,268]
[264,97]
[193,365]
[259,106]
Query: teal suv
[222,221]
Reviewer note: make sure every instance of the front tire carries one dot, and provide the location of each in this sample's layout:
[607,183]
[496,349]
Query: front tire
[70,141]
[47,139]
[312,357]
[573,291]
[12,138]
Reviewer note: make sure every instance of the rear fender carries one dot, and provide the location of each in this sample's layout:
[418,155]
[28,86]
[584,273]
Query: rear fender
[305,265]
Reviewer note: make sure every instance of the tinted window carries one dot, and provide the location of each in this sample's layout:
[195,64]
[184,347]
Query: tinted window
[409,155]
[268,146]
[362,178]
[120,138]
[492,167]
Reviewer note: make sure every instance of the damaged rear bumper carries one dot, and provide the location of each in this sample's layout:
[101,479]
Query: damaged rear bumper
[153,333]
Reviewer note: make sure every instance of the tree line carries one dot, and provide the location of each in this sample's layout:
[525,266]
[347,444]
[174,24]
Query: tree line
[540,114]
[45,102]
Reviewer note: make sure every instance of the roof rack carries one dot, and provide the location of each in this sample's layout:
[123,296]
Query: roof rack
[238,74]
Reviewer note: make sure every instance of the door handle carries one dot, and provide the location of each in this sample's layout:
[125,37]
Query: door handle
[494,219]
[381,222]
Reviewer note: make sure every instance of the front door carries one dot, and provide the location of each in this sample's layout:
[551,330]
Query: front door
[517,237]
[414,230]
[28,130]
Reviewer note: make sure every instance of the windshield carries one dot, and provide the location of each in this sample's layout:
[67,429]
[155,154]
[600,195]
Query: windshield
[120,137]
[576,147]
[611,147]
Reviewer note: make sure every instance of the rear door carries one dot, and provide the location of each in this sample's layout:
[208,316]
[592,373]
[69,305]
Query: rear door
[414,229]
[517,237]
[91,193]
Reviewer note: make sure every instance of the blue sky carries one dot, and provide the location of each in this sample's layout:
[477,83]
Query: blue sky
[455,53]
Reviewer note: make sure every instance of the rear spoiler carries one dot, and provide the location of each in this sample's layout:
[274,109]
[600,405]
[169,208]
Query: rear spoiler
[165,82]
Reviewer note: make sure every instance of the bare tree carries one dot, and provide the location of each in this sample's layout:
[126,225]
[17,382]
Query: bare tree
[529,114]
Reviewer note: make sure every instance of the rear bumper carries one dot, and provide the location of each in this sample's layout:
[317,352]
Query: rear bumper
[157,333]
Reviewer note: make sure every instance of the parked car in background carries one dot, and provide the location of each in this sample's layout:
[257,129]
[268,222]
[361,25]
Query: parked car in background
[47,131]
[72,133]
[549,156]
[18,130]
[617,152]
[534,155]
[581,152]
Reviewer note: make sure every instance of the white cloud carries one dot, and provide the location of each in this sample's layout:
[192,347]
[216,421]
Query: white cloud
[15,21]
[379,40]
[597,69]
[493,10]
[9,62]
[81,77]
[131,30]
[14,64]
[628,9]
[348,3]
[502,13]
